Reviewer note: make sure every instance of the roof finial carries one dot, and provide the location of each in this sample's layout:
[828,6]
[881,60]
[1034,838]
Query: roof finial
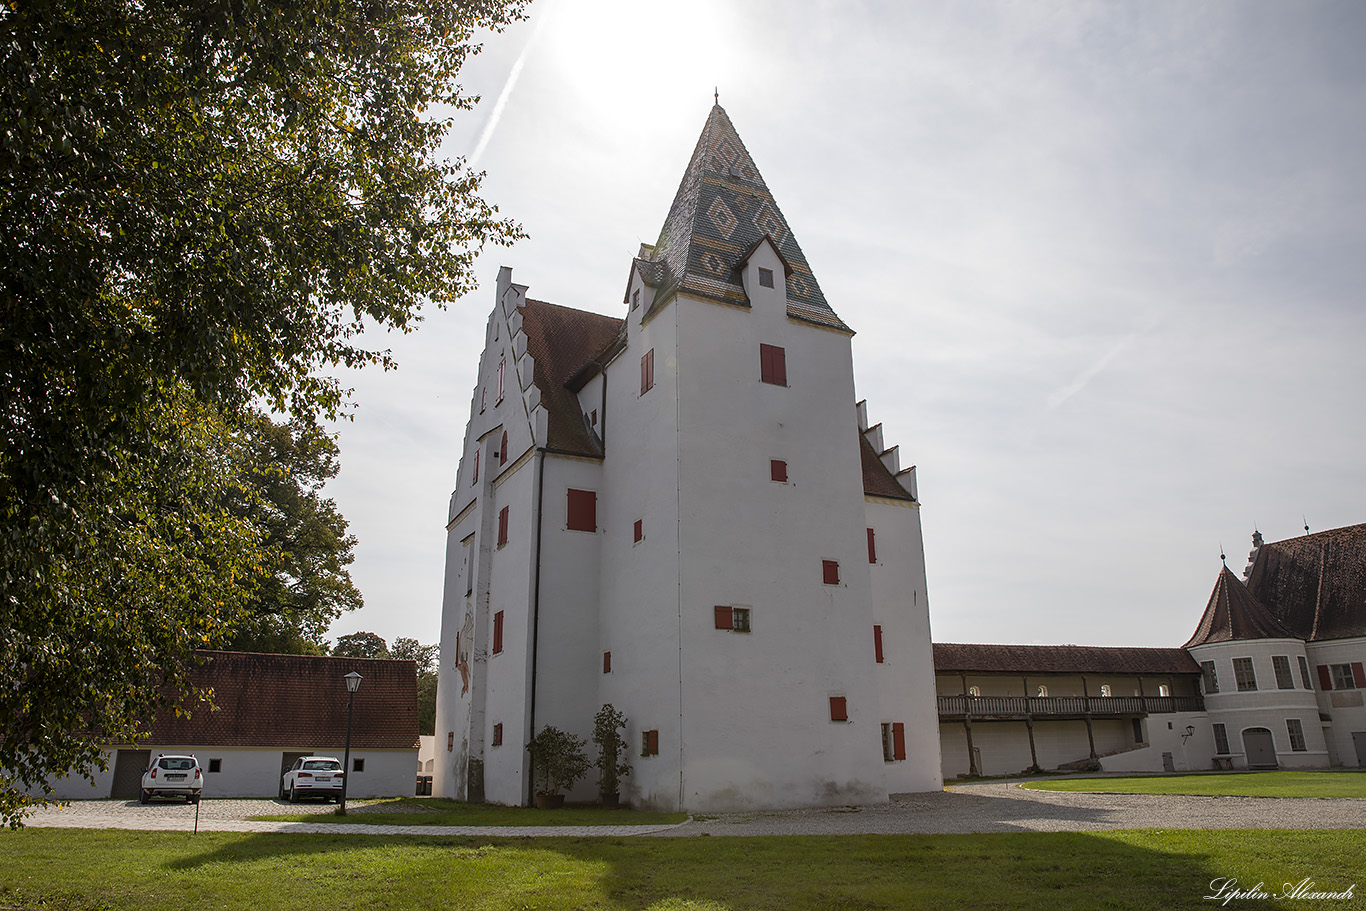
[1306,524]
[1222,557]
[716,95]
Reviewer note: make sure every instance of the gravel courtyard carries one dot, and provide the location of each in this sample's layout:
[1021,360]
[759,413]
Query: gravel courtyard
[960,808]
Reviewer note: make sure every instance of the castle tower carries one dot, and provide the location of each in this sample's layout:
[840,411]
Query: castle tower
[684,513]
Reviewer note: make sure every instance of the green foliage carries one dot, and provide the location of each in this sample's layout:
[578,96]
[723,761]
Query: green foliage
[361,645]
[426,657]
[203,206]
[305,585]
[608,724]
[558,760]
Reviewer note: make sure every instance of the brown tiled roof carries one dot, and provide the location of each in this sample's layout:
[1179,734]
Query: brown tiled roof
[562,340]
[951,657]
[1233,613]
[1315,584]
[878,481]
[296,701]
[722,208]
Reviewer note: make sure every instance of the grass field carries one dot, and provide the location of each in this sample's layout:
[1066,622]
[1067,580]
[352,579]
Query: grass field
[434,811]
[77,870]
[1241,784]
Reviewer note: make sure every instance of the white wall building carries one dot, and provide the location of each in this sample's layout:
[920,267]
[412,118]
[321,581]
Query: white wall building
[684,513]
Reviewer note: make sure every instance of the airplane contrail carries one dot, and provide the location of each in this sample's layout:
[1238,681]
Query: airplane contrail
[501,103]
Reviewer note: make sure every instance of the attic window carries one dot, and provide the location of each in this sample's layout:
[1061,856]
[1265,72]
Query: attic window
[765,277]
[635,299]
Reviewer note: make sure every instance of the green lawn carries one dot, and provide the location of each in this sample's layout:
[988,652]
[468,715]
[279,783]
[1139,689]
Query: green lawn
[74,870]
[1240,784]
[435,811]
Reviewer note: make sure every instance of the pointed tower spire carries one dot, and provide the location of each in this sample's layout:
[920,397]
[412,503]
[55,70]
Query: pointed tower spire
[721,211]
[1233,613]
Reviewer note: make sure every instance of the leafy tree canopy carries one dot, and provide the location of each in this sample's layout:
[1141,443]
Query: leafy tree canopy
[202,205]
[305,584]
[361,645]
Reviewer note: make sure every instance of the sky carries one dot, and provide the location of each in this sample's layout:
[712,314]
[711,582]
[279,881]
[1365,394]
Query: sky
[1105,263]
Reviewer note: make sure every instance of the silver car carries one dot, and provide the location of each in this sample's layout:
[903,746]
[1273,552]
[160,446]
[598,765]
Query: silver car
[313,776]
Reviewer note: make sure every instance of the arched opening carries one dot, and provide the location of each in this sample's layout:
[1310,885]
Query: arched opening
[1260,748]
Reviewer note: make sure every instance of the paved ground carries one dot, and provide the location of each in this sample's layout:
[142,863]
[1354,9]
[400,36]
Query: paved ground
[977,807]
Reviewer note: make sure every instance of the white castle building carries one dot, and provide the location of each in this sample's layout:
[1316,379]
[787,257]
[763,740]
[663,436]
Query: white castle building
[682,511]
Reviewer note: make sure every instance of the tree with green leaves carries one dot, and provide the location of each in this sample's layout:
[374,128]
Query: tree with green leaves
[202,208]
[427,658]
[363,644]
[305,584]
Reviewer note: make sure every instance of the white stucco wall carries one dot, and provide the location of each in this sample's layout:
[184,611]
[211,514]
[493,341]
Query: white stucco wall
[1347,708]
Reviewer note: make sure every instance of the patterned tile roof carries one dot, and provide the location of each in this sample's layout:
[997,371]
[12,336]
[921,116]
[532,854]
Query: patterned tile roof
[1315,584]
[1233,613]
[878,481]
[952,657]
[296,701]
[721,210]
[562,341]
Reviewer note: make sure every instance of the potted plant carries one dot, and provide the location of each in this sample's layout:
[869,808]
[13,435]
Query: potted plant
[558,762]
[607,727]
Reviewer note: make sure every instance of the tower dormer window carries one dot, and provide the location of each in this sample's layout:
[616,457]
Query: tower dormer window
[765,278]
[635,299]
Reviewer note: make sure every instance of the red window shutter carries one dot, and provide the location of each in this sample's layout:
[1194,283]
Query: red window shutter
[450,741]
[647,371]
[872,547]
[498,632]
[1325,678]
[772,365]
[503,526]
[583,510]
[724,618]
[498,734]
[899,740]
[1358,675]
[503,450]
[877,643]
[830,570]
[475,479]
[607,662]
[838,711]
[640,529]
[654,743]
[777,470]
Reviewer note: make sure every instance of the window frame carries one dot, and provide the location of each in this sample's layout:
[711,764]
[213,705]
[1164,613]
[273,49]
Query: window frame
[1209,677]
[1305,679]
[498,733]
[1220,739]
[649,743]
[497,646]
[1342,676]
[1295,729]
[1245,674]
[1280,666]
[503,523]
[765,277]
[502,365]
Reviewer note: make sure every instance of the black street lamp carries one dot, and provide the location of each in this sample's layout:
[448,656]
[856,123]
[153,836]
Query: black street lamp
[352,684]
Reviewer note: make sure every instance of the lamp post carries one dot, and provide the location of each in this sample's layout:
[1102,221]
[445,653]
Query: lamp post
[352,684]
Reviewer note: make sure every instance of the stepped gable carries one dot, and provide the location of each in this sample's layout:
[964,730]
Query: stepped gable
[878,481]
[952,657]
[296,702]
[1315,584]
[561,341]
[721,211]
[1233,613]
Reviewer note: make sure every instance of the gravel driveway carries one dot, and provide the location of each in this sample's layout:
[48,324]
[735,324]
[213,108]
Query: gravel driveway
[976,807]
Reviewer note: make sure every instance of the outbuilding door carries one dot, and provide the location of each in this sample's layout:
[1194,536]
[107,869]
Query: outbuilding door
[1359,739]
[1260,748]
[128,768]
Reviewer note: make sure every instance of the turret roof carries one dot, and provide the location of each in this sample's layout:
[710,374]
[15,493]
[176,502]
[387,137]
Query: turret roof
[721,211]
[1234,614]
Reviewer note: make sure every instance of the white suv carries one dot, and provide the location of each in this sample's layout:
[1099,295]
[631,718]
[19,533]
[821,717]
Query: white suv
[313,776]
[172,776]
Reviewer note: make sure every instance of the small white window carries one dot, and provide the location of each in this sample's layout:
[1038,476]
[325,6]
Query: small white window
[1164,690]
[765,278]
[1105,689]
[739,619]
[1042,690]
[974,690]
